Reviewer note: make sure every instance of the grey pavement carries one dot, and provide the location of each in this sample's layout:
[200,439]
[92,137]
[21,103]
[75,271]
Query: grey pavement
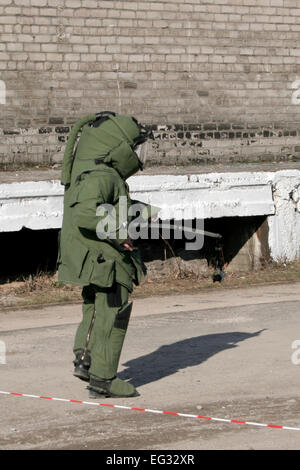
[224,353]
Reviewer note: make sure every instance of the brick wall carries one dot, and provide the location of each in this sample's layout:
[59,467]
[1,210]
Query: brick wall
[217,79]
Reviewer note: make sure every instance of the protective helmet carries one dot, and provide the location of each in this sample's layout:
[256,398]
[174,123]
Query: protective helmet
[108,138]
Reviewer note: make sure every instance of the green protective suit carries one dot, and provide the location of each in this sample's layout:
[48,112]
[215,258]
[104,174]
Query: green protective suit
[91,250]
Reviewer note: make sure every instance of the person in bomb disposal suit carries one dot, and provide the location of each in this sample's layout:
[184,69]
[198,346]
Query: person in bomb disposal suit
[103,262]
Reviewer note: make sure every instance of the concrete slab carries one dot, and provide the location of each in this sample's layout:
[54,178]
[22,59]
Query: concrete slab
[275,194]
[39,204]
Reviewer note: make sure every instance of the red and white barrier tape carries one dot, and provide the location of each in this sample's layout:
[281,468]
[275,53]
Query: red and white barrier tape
[147,410]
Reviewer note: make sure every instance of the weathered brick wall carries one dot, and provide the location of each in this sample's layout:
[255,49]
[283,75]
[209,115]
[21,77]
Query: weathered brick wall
[216,79]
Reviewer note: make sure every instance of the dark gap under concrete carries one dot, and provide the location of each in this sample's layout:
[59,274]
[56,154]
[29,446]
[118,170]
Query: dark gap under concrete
[235,231]
[27,252]
[31,252]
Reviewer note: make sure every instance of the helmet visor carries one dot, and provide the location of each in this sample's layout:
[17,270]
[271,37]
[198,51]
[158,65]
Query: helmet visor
[141,152]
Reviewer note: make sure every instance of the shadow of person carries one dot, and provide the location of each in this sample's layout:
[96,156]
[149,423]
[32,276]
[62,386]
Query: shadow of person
[169,359]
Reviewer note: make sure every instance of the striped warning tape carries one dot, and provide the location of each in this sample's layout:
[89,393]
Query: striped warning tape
[147,410]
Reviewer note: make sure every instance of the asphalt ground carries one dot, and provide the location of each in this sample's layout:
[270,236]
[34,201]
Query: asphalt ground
[226,354]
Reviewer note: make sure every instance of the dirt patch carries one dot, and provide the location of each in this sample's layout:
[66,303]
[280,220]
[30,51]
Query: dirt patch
[163,278]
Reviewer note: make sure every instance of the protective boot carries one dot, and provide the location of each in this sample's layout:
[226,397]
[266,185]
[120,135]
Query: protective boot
[113,388]
[81,369]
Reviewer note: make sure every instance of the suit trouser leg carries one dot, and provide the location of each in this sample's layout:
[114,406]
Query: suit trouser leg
[112,316]
[81,343]
[101,333]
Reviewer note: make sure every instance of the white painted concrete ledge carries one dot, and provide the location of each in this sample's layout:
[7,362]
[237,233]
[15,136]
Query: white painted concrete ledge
[39,205]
